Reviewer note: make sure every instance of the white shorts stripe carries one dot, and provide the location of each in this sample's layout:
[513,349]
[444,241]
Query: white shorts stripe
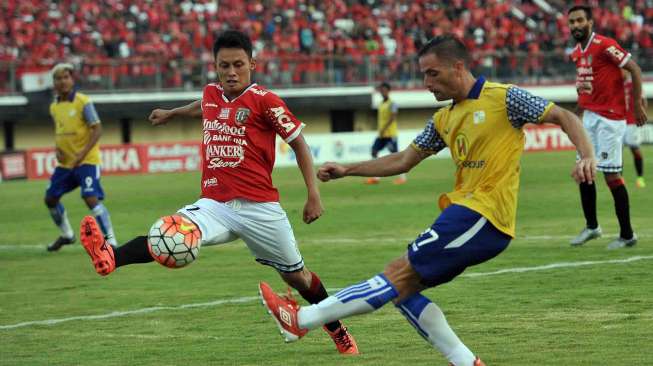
[461,240]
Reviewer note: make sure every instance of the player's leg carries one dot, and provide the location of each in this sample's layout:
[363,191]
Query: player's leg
[377,146]
[393,147]
[592,229]
[269,236]
[611,164]
[638,157]
[627,237]
[311,289]
[106,258]
[61,182]
[459,238]
[88,177]
[632,139]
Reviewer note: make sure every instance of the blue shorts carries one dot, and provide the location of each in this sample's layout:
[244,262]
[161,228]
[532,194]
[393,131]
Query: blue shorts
[86,176]
[458,238]
[381,142]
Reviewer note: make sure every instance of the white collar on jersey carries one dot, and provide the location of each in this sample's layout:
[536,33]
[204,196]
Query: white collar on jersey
[244,91]
[589,42]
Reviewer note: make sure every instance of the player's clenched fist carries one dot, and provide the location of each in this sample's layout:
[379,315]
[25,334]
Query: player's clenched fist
[330,170]
[160,116]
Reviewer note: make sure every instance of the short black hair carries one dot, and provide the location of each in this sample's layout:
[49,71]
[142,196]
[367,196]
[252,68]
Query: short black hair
[585,8]
[447,46]
[386,85]
[233,39]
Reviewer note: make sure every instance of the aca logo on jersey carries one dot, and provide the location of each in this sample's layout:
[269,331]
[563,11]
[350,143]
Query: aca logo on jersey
[282,118]
[615,52]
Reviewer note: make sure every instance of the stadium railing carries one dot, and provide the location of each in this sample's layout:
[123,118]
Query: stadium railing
[298,71]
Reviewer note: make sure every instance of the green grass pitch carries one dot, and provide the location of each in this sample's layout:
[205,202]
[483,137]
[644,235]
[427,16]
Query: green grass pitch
[594,307]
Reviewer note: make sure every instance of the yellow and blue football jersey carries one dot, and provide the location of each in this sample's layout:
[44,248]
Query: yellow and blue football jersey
[486,141]
[386,109]
[72,120]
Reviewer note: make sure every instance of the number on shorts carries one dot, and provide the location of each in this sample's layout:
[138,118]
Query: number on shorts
[89,182]
[424,239]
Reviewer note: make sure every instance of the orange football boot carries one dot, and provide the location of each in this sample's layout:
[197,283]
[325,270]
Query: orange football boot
[284,312]
[96,246]
[477,362]
[344,341]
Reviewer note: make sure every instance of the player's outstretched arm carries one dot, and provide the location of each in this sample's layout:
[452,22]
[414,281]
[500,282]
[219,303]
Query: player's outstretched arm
[393,164]
[162,116]
[313,207]
[640,106]
[585,169]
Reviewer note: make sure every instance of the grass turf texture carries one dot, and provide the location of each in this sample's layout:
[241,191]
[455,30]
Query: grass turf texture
[592,315]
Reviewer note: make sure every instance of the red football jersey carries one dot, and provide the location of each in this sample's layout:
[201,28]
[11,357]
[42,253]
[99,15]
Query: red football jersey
[630,102]
[599,82]
[238,147]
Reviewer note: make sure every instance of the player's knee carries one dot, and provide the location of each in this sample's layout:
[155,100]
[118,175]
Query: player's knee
[403,277]
[299,280]
[91,201]
[611,177]
[51,201]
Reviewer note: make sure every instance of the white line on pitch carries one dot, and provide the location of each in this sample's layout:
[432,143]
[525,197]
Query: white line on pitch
[559,265]
[237,300]
[117,314]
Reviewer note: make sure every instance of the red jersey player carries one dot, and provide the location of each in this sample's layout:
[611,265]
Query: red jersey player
[633,135]
[240,122]
[600,88]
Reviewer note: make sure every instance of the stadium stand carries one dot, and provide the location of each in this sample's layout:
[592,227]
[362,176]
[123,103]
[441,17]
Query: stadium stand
[140,44]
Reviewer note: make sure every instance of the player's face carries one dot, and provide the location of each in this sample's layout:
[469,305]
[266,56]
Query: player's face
[234,69]
[63,82]
[385,92]
[442,77]
[579,25]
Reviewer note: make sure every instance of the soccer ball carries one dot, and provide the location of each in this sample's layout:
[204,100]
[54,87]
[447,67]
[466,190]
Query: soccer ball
[174,241]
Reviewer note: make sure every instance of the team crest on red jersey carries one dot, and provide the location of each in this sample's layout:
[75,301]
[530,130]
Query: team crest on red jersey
[241,115]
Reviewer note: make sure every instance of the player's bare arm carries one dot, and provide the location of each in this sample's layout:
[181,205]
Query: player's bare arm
[313,207]
[162,116]
[386,166]
[585,168]
[636,75]
[96,132]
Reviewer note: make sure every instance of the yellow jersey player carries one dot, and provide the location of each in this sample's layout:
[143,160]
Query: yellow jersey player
[388,133]
[77,131]
[483,130]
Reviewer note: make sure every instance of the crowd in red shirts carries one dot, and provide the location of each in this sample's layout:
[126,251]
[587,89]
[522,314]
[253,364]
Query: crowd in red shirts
[167,43]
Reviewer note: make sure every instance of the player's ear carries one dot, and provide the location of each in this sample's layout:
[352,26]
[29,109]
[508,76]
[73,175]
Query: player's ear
[459,66]
[252,64]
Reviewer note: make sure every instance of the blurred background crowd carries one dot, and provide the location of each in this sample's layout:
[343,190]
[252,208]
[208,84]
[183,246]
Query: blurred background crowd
[144,44]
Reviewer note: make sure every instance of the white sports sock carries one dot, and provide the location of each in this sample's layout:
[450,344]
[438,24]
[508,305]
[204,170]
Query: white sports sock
[60,218]
[361,298]
[104,220]
[431,324]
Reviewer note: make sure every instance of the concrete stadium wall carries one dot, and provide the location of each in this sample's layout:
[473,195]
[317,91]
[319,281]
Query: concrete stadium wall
[32,134]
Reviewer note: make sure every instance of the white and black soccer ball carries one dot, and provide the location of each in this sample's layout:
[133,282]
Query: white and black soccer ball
[174,241]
